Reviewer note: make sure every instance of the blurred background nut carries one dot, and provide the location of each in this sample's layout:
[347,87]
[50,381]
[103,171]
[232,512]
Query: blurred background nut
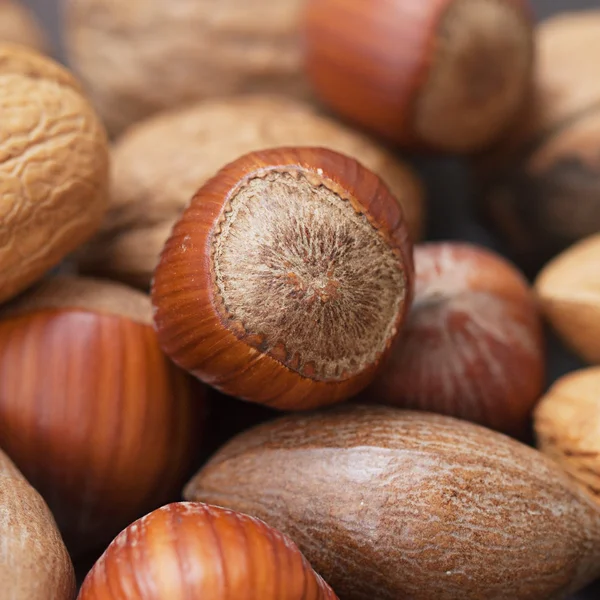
[137,58]
[472,346]
[567,426]
[19,25]
[159,164]
[53,167]
[542,184]
[569,292]
[91,411]
[34,563]
[448,75]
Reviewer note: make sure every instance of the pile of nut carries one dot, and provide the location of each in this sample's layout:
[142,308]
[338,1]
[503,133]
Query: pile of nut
[231,367]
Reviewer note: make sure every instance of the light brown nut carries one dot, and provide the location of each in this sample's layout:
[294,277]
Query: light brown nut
[569,292]
[159,54]
[19,25]
[34,563]
[54,164]
[159,165]
[567,426]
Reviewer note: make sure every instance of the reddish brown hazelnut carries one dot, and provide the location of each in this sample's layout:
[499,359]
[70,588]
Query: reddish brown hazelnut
[286,280]
[472,346]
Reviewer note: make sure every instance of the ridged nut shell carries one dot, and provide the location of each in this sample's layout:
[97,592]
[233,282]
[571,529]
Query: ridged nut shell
[568,289]
[191,550]
[91,410]
[54,164]
[159,164]
[472,346]
[286,280]
[567,426]
[393,504]
[18,25]
[34,563]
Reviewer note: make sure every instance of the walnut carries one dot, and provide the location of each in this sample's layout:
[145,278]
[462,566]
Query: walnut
[18,25]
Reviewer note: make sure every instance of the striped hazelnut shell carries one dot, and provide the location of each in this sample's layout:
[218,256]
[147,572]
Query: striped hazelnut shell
[92,412]
[190,550]
[286,279]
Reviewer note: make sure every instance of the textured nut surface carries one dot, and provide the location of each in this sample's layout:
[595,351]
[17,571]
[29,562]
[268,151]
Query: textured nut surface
[567,426]
[18,25]
[472,346]
[391,504]
[569,292]
[159,165]
[34,563]
[157,54]
[53,167]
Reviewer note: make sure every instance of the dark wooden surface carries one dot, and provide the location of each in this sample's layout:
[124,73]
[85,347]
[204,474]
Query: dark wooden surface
[449,186]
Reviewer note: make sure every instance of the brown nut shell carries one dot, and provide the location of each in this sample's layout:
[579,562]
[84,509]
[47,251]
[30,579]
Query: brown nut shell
[568,289]
[541,185]
[92,412]
[158,55]
[449,75]
[472,346]
[34,563]
[286,279]
[392,504]
[160,163]
[190,550]
[53,167]
[18,25]
[567,426]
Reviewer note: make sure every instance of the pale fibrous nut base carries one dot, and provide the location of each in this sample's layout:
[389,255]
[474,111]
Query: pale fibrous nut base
[479,77]
[308,277]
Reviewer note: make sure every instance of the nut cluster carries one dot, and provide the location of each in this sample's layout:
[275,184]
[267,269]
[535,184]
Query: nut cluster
[251,242]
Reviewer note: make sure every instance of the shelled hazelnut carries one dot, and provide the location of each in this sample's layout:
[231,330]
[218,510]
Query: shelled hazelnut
[448,75]
[541,185]
[159,164]
[91,411]
[472,346]
[158,55]
[286,279]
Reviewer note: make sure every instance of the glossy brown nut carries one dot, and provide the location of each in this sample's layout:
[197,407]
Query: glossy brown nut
[286,279]
[444,74]
[34,563]
[393,504]
[541,185]
[472,346]
[91,411]
[191,550]
[567,422]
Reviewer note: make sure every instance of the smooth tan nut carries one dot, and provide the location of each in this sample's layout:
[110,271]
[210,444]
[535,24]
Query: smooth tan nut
[19,25]
[567,426]
[54,164]
[542,182]
[157,55]
[569,292]
[34,563]
[159,164]
[392,504]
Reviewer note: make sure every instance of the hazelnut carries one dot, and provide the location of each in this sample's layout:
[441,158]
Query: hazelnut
[53,167]
[286,279]
[34,563]
[156,55]
[447,75]
[190,550]
[541,186]
[568,289]
[159,164]
[393,504]
[91,411]
[18,25]
[472,346]
[567,426]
